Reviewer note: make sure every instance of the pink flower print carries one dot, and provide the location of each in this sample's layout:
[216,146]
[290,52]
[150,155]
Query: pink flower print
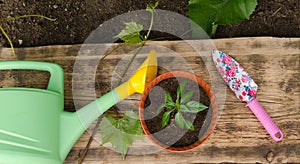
[244,79]
[230,73]
[238,82]
[221,70]
[233,67]
[241,97]
[252,93]
[244,93]
[227,60]
[226,79]
[236,87]
[218,60]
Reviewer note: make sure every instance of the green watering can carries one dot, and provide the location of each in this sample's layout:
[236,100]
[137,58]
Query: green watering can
[34,128]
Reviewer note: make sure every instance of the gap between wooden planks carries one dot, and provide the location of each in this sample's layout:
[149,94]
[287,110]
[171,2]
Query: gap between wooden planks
[272,62]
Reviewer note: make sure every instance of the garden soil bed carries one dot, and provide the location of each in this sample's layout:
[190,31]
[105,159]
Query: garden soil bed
[77,19]
[172,135]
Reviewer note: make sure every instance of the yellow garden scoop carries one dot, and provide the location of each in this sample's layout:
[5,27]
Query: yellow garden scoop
[34,128]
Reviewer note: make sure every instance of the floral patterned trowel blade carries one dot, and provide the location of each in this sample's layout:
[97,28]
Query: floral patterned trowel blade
[245,90]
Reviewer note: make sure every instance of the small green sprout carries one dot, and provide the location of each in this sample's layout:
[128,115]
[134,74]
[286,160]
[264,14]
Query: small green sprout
[181,104]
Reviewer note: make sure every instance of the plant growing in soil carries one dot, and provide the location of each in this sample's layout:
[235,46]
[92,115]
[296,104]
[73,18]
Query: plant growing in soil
[208,14]
[131,35]
[181,104]
[122,132]
[19,17]
[172,137]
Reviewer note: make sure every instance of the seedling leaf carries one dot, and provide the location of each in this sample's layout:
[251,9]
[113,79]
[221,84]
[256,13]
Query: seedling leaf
[131,33]
[170,105]
[184,108]
[160,107]
[195,106]
[181,87]
[179,119]
[150,6]
[181,122]
[189,125]
[168,98]
[186,97]
[166,118]
[121,133]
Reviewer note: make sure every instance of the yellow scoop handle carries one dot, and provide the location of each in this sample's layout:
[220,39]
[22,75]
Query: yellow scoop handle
[141,78]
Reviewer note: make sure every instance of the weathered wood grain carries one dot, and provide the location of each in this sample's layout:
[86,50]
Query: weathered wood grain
[274,63]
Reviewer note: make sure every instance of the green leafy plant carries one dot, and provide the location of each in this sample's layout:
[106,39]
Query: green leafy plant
[131,33]
[208,14]
[19,17]
[180,105]
[121,132]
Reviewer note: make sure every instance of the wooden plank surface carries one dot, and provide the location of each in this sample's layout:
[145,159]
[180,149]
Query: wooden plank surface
[274,63]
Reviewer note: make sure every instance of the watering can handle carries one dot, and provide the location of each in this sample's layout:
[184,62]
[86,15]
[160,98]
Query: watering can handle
[56,82]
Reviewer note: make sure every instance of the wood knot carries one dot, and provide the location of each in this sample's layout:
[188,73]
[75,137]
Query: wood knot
[288,89]
[270,156]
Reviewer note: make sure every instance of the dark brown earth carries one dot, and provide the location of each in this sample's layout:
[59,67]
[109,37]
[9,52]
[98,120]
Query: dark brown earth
[77,19]
[172,135]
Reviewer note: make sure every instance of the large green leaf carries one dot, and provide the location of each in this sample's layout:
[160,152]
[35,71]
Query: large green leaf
[121,133]
[210,13]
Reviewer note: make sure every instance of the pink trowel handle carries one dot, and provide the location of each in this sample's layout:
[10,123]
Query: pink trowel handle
[265,120]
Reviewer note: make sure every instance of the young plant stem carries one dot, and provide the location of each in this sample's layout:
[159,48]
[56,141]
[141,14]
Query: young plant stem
[129,63]
[26,16]
[19,17]
[151,24]
[110,52]
[9,40]
[139,48]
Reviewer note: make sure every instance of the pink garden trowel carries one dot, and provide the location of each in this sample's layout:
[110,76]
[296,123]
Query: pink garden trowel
[245,90]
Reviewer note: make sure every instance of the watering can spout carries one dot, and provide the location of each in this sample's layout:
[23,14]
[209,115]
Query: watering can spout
[74,124]
[71,129]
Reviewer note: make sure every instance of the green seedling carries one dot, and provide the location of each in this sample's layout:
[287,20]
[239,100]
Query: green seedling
[180,105]
[131,33]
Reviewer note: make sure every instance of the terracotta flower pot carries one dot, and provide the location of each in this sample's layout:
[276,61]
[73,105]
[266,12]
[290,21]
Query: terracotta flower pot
[208,123]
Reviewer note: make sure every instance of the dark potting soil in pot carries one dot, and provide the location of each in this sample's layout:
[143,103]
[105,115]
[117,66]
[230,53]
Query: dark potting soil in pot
[172,135]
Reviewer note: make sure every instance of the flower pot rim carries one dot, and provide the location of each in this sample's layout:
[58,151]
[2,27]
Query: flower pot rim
[201,83]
